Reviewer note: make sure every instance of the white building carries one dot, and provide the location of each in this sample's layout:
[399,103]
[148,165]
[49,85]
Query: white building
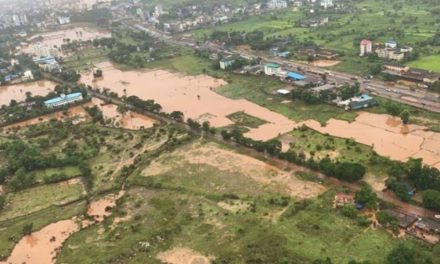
[63,100]
[327,3]
[276,4]
[272,69]
[27,76]
[366,47]
[62,20]
[391,44]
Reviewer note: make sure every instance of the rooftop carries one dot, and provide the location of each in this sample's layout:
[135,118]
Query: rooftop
[62,98]
[272,65]
[295,76]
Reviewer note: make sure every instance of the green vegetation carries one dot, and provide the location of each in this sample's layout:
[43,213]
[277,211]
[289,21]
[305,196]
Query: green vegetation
[430,63]
[243,119]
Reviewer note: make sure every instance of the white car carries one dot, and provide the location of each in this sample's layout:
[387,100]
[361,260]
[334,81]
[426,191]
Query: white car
[437,216]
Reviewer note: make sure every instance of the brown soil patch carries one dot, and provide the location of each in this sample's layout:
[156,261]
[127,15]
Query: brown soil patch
[234,206]
[325,63]
[228,160]
[182,255]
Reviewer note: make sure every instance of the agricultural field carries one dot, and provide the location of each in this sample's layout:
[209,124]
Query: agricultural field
[430,63]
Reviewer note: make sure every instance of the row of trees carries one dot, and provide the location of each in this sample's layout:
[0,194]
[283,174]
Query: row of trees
[346,171]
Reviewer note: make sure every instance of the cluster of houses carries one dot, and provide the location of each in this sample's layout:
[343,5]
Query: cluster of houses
[423,228]
[8,74]
[388,50]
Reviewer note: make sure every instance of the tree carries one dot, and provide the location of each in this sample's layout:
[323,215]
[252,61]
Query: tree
[2,202]
[367,197]
[431,199]
[402,255]
[27,229]
[177,115]
[206,126]
[350,172]
[404,116]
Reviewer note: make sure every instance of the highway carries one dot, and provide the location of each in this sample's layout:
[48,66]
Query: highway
[419,98]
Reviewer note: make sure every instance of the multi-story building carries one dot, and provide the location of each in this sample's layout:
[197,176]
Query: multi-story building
[276,4]
[366,47]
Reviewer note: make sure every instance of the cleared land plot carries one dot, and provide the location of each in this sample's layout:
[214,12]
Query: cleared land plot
[34,199]
[243,119]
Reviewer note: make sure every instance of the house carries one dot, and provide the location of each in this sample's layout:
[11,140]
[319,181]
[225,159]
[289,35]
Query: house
[276,4]
[390,53]
[62,20]
[342,199]
[226,63]
[366,47]
[405,220]
[327,3]
[295,76]
[27,76]
[391,44]
[63,100]
[325,87]
[358,102]
[314,22]
[272,69]
[283,92]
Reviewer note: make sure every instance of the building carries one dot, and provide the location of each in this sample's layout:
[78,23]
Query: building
[272,69]
[27,76]
[325,87]
[63,100]
[391,44]
[358,102]
[327,3]
[283,92]
[62,20]
[226,63]
[314,22]
[295,76]
[390,53]
[47,63]
[411,74]
[366,47]
[276,4]
[405,220]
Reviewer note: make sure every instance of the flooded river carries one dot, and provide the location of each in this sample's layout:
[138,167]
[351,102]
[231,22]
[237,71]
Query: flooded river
[18,91]
[388,136]
[194,96]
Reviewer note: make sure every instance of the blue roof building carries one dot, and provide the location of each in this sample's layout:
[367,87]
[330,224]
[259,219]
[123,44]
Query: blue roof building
[295,76]
[63,100]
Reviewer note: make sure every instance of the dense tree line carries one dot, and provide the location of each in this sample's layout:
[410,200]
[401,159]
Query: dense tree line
[346,171]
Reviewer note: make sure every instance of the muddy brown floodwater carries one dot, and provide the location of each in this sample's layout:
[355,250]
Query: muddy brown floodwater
[387,135]
[18,91]
[193,95]
[58,38]
[41,246]
[128,120]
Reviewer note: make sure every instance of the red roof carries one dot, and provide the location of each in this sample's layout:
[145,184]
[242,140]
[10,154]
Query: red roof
[365,42]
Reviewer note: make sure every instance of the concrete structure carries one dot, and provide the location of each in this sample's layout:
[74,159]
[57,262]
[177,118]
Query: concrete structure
[358,102]
[47,63]
[295,76]
[226,63]
[276,4]
[63,100]
[390,53]
[314,22]
[411,74]
[366,47]
[391,44]
[283,92]
[272,69]
[62,20]
[41,50]
[27,76]
[327,3]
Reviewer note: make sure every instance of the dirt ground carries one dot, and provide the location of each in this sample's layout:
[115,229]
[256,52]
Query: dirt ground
[325,63]
[228,160]
[181,255]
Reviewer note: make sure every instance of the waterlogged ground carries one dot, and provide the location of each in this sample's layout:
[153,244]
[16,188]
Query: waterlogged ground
[194,96]
[388,136]
[18,92]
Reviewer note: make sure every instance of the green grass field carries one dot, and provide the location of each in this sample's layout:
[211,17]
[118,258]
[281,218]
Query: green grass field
[430,63]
